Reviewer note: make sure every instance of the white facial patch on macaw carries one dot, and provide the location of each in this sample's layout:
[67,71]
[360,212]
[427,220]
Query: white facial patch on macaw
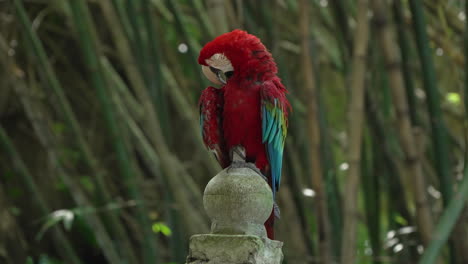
[221,62]
[211,76]
[219,69]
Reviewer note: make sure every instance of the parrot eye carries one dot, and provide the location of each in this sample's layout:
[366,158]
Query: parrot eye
[229,74]
[214,70]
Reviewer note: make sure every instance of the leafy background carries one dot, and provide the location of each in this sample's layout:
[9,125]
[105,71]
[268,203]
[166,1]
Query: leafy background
[101,154]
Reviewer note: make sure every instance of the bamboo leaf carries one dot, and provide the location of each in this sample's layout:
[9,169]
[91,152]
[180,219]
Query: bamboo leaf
[447,222]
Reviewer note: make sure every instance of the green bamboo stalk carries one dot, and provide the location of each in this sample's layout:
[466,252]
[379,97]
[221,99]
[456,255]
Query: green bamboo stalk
[439,135]
[121,10]
[371,194]
[122,42]
[339,12]
[151,127]
[296,174]
[217,12]
[447,222]
[338,8]
[37,117]
[163,11]
[395,183]
[203,17]
[388,167]
[187,197]
[310,91]
[181,25]
[405,61]
[71,121]
[408,141]
[250,23]
[329,167]
[465,46]
[176,241]
[84,25]
[156,84]
[331,184]
[355,131]
[66,249]
[294,169]
[138,38]
[189,114]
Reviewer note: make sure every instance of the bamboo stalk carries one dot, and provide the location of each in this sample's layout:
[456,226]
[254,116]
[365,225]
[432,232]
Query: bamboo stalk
[341,20]
[138,37]
[150,124]
[405,61]
[461,237]
[122,43]
[151,128]
[121,10]
[67,251]
[156,84]
[182,25]
[203,17]
[371,194]
[71,121]
[297,185]
[465,101]
[157,163]
[406,135]
[149,156]
[390,175]
[329,167]
[37,117]
[395,183]
[455,24]
[439,137]
[313,126]
[187,112]
[339,12]
[331,187]
[217,12]
[355,130]
[240,13]
[447,222]
[83,23]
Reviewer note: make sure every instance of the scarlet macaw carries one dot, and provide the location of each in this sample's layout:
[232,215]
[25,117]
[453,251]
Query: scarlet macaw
[249,109]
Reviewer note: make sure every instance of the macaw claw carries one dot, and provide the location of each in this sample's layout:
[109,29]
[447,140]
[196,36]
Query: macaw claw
[276,210]
[242,164]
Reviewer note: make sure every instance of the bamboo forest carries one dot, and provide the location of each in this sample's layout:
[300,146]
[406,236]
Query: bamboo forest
[102,159]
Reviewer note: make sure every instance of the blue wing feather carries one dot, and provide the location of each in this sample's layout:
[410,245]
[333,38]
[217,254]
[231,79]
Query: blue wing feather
[270,121]
[201,123]
[273,136]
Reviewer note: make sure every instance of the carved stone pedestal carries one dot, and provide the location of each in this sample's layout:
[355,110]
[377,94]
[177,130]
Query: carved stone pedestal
[238,201]
[234,249]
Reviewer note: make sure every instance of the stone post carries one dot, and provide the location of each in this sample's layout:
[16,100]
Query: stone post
[238,202]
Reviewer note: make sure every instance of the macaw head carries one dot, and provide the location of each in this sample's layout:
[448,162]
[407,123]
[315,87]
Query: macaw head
[236,55]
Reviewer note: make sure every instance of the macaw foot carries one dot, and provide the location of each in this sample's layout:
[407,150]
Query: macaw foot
[276,210]
[242,164]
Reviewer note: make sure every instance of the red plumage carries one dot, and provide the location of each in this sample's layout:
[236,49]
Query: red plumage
[232,115]
[211,111]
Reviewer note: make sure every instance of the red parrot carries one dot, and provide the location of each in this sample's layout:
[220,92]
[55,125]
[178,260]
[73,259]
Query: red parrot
[249,109]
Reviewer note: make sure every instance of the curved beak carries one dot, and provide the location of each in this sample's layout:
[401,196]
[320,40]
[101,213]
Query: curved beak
[221,76]
[214,77]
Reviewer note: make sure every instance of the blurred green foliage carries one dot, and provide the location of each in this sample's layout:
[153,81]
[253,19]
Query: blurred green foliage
[101,159]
